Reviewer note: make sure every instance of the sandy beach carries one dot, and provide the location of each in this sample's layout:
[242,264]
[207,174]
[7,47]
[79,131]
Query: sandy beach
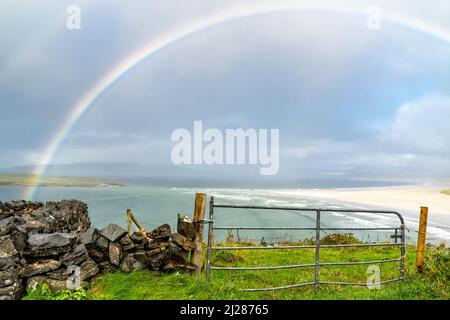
[406,200]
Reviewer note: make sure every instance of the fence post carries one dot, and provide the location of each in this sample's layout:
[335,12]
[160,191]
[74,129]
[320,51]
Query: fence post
[210,237]
[420,256]
[316,274]
[199,216]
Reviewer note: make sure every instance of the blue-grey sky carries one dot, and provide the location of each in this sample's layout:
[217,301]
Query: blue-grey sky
[349,101]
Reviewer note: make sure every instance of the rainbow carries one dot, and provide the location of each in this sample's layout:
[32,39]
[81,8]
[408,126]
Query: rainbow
[229,15]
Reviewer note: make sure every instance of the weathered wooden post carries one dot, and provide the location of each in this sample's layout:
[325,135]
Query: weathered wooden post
[199,216]
[420,256]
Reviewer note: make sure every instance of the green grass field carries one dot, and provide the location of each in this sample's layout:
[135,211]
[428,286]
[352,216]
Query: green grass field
[28,180]
[433,283]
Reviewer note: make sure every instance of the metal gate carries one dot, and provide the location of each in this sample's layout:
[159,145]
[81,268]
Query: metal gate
[317,265]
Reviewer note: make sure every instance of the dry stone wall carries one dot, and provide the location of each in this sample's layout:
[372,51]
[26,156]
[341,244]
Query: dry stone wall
[54,244]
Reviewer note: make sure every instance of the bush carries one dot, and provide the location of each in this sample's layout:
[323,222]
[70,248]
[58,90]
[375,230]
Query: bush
[339,238]
[43,292]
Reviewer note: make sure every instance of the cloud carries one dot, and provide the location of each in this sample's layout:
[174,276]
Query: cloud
[420,127]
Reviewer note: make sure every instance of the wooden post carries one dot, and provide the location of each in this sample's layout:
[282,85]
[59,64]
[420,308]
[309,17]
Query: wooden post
[420,256]
[199,216]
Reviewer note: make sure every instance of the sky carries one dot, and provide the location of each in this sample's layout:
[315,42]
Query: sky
[349,101]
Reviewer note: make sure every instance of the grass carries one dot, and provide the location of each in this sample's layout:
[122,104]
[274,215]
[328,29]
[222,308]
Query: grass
[433,283]
[29,180]
[446,191]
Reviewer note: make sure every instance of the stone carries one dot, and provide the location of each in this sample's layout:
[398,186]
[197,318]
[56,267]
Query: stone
[12,292]
[88,237]
[126,243]
[8,253]
[98,255]
[107,266]
[69,215]
[162,232]
[88,269]
[115,253]
[5,221]
[134,261]
[158,244]
[8,278]
[50,244]
[59,274]
[138,238]
[156,261]
[175,250]
[102,243]
[75,257]
[186,227]
[4,230]
[53,284]
[184,242]
[175,263]
[19,237]
[113,232]
[39,267]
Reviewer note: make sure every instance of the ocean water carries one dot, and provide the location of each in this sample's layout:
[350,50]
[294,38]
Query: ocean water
[154,206]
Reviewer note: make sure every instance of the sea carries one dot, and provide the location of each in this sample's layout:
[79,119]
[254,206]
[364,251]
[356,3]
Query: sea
[156,205]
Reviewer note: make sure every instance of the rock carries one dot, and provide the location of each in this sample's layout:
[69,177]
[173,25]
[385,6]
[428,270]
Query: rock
[113,232]
[39,267]
[162,245]
[12,292]
[4,230]
[184,242]
[50,244]
[175,250]
[138,238]
[115,253]
[126,243]
[8,253]
[175,263]
[186,227]
[8,278]
[98,255]
[88,269]
[107,266]
[19,205]
[5,214]
[102,243]
[134,261]
[53,284]
[156,261]
[69,215]
[88,237]
[19,238]
[162,232]
[59,274]
[5,221]
[75,257]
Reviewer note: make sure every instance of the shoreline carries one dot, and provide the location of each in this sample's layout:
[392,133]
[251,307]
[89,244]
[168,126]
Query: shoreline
[405,199]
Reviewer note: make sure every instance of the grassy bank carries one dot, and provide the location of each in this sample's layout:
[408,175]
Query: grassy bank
[446,191]
[29,180]
[433,283]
